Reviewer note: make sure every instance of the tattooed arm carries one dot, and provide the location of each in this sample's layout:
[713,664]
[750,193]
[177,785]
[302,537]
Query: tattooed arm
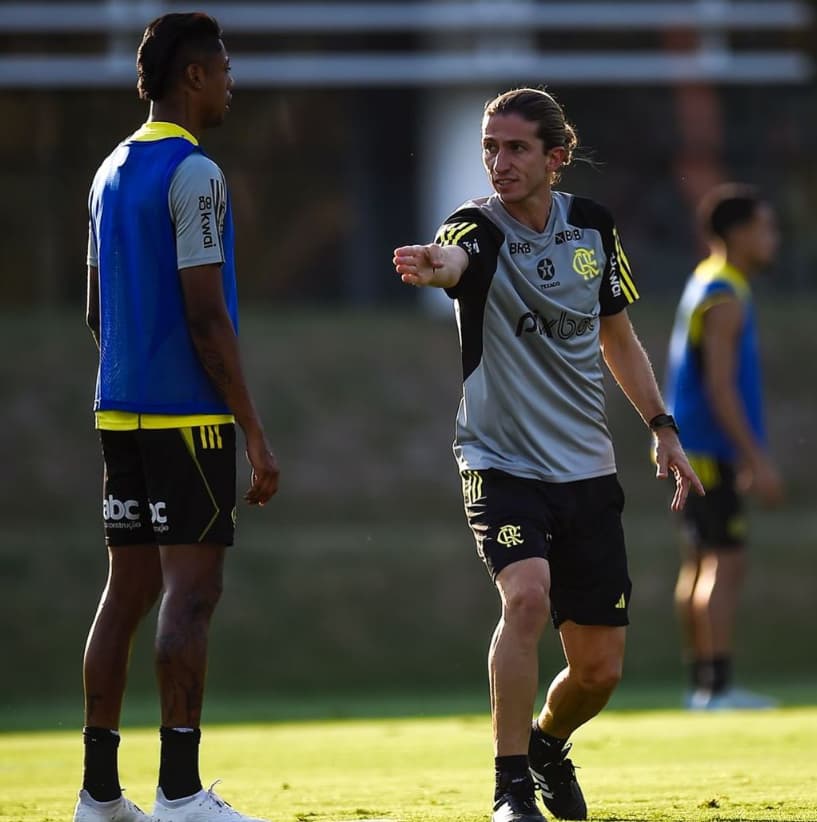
[215,341]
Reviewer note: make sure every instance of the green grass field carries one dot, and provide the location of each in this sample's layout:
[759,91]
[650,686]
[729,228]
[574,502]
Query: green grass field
[649,766]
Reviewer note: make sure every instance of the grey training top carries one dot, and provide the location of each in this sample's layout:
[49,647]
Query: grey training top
[196,177]
[528,309]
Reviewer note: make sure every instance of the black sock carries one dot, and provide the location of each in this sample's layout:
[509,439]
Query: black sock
[100,776]
[714,675]
[721,673]
[512,775]
[554,744]
[699,676]
[179,762]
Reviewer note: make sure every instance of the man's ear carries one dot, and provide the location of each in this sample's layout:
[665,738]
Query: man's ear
[556,158]
[194,75]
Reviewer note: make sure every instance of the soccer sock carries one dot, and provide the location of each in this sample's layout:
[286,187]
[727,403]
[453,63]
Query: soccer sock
[721,673]
[100,776]
[553,744]
[702,674]
[696,674]
[179,762]
[512,775]
[714,675]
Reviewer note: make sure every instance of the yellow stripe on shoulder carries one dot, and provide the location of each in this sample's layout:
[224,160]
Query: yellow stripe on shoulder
[625,271]
[466,228]
[452,233]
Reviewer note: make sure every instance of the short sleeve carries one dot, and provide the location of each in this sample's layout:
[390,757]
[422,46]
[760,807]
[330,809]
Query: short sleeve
[617,289]
[93,255]
[197,200]
[480,240]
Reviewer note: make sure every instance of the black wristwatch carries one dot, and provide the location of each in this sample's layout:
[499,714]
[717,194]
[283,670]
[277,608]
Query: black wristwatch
[663,421]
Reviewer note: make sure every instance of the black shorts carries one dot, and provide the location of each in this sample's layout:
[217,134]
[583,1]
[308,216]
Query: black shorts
[576,526]
[716,521]
[171,486]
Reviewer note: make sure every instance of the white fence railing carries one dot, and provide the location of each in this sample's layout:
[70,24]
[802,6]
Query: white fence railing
[493,58]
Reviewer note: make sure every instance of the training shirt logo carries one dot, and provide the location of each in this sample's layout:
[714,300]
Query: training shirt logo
[471,246]
[568,235]
[519,248]
[562,328]
[585,263]
[545,269]
[212,211]
[510,536]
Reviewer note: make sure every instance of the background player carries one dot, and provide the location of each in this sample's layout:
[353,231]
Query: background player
[714,391]
[162,307]
[541,283]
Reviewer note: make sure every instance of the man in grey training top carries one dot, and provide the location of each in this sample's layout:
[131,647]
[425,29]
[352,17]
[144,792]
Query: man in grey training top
[541,286]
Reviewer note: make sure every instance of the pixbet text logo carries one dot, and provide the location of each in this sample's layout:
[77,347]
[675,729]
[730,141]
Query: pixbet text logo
[562,327]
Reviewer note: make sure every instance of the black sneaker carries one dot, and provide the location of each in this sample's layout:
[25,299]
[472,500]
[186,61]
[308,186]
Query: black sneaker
[555,777]
[513,807]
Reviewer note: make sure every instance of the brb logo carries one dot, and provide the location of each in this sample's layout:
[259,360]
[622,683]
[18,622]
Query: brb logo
[519,247]
[585,263]
[569,235]
[562,328]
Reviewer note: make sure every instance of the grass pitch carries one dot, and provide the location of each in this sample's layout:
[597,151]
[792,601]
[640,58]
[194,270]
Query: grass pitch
[655,766]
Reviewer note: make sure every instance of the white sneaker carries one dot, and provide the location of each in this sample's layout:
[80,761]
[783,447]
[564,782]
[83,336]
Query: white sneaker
[204,806]
[118,810]
[733,699]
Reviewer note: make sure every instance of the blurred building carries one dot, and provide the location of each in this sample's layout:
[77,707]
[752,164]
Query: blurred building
[355,126]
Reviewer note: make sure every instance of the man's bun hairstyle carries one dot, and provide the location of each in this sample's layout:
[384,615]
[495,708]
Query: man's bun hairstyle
[170,43]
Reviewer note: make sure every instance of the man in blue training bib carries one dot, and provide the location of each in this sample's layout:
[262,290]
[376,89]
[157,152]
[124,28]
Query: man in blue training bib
[162,308]
[714,391]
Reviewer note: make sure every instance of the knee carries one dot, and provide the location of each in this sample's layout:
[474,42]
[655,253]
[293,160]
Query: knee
[600,676]
[133,599]
[194,602]
[527,609]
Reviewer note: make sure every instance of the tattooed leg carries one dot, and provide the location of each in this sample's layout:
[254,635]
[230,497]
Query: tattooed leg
[193,580]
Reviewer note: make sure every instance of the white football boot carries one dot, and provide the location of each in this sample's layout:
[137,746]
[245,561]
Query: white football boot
[204,806]
[118,810]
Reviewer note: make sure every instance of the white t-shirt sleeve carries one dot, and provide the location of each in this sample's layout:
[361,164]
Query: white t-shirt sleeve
[197,200]
[93,256]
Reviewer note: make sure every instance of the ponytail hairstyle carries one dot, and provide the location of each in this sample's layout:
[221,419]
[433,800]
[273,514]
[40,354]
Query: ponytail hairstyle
[170,43]
[537,106]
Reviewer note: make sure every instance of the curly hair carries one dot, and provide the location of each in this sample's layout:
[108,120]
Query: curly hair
[170,43]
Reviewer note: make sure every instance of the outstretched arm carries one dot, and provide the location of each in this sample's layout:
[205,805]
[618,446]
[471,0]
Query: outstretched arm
[629,364]
[217,346]
[435,265]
